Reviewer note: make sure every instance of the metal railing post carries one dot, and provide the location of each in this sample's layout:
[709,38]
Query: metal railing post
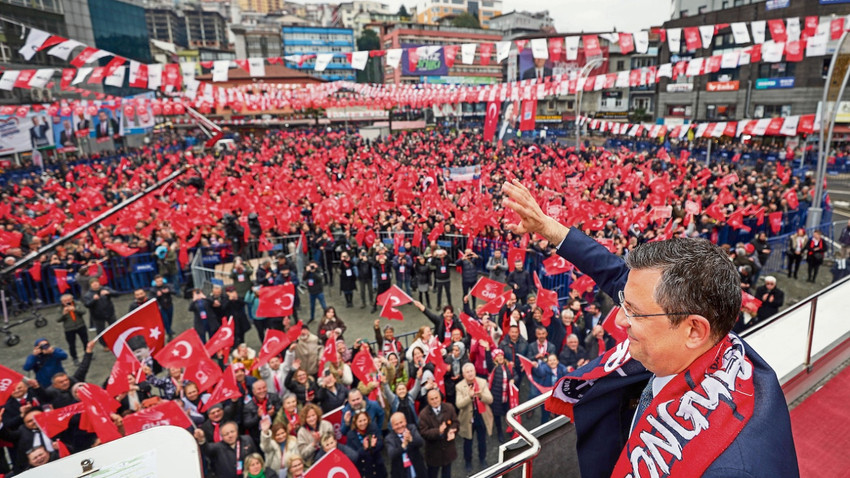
[812,314]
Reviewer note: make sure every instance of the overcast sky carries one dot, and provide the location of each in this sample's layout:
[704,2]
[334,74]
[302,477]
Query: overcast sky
[585,15]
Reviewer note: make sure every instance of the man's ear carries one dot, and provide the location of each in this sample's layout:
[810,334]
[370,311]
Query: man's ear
[699,332]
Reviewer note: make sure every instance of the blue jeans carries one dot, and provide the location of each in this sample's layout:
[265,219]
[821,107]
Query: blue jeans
[313,298]
[167,317]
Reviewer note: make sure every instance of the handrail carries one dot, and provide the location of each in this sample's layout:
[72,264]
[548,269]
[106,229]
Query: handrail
[515,462]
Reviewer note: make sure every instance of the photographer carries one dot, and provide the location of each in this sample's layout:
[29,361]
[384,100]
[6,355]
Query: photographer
[364,276]
[45,361]
[73,324]
[469,272]
[315,287]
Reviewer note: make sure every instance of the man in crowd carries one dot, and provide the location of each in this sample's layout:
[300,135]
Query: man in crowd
[771,297]
[438,426]
[404,449]
[227,456]
[474,414]
[99,302]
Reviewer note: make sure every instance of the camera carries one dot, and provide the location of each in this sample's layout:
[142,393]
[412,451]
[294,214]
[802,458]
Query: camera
[44,346]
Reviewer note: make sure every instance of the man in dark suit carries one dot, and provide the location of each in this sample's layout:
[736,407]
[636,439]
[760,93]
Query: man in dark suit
[541,348]
[771,299]
[538,71]
[83,123]
[106,126]
[676,353]
[438,426]
[404,448]
[227,456]
[66,137]
[38,133]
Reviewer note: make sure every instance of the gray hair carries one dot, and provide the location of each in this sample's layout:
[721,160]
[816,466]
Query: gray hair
[468,366]
[696,278]
[572,336]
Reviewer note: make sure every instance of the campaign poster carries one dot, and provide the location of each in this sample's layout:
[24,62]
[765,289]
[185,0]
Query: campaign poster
[28,133]
[530,69]
[509,119]
[106,123]
[81,121]
[431,62]
[142,120]
[64,134]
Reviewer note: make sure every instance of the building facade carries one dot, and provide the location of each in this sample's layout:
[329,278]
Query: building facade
[257,41]
[358,13]
[430,11]
[409,35]
[690,8]
[514,24]
[301,40]
[757,90]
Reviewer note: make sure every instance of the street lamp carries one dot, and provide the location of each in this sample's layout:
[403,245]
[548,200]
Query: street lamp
[591,65]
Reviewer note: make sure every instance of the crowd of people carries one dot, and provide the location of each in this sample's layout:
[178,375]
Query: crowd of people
[334,195]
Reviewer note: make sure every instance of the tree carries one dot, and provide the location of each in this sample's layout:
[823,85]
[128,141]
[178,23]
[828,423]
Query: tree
[368,41]
[402,12]
[466,20]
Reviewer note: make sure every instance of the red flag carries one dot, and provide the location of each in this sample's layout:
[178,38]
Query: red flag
[777,30]
[791,197]
[294,331]
[331,465]
[435,357]
[515,255]
[35,272]
[9,379]
[417,237]
[486,53]
[276,301]
[487,289]
[95,239]
[591,46]
[476,330]
[204,373]
[450,52]
[527,366]
[491,121]
[144,321]
[275,343]
[63,450]
[775,219]
[582,284]
[528,115]
[436,232]
[329,353]
[836,28]
[226,389]
[122,249]
[513,401]
[612,328]
[627,43]
[98,408]
[127,364]
[164,413]
[495,305]
[556,264]
[222,339]
[546,300]
[61,280]
[749,302]
[184,350]
[84,56]
[54,422]
[715,211]
[363,367]
[334,417]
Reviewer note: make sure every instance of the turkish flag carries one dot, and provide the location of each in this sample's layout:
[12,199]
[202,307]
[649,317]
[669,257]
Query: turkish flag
[35,272]
[775,219]
[294,331]
[54,422]
[275,343]
[363,367]
[222,339]
[144,321]
[791,197]
[546,300]
[8,380]
[487,289]
[184,350]
[204,373]
[167,412]
[276,301]
[225,390]
[332,465]
[491,121]
[417,237]
[612,328]
[393,297]
[715,211]
[556,264]
[98,406]
[63,450]
[583,283]
[476,330]
[121,249]
[61,280]
[265,244]
[495,305]
[117,382]
[329,353]
[515,255]
[528,115]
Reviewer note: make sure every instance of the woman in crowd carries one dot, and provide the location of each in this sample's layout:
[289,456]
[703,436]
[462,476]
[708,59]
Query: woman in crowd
[311,431]
[255,467]
[288,414]
[277,445]
[366,440]
[302,385]
[330,323]
[500,380]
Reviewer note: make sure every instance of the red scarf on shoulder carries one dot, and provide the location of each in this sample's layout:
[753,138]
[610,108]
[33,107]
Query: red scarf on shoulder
[694,418]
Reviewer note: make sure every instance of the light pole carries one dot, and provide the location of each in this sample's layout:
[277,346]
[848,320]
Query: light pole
[591,65]
[827,120]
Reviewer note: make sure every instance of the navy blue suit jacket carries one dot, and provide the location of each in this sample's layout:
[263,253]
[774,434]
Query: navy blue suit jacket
[765,447]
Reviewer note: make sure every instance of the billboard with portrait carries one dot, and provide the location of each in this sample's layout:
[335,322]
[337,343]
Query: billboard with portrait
[31,132]
[529,70]
[106,124]
[431,62]
[142,119]
[64,134]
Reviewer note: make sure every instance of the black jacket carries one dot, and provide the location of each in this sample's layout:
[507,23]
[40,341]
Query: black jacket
[313,281]
[222,457]
[331,400]
[395,453]
[62,398]
[101,308]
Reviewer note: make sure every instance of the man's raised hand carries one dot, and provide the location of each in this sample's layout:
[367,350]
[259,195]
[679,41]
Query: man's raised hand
[532,218]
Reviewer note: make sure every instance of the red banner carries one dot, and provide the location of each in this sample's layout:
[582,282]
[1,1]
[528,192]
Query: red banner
[165,413]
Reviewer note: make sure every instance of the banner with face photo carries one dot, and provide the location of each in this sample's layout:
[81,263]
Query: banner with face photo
[64,134]
[31,132]
[510,117]
[431,61]
[106,124]
[142,119]
[531,68]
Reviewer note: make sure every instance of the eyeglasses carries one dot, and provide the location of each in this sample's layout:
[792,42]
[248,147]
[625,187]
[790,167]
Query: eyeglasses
[631,316]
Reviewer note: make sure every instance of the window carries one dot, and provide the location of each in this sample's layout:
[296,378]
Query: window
[771,111]
[679,111]
[571,105]
[720,112]
[618,102]
[776,70]
[641,104]
[621,65]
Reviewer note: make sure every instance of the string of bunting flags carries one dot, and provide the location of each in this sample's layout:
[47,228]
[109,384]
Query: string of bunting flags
[782,126]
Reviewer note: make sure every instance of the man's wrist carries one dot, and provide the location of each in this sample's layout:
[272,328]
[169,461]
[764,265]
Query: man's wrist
[554,231]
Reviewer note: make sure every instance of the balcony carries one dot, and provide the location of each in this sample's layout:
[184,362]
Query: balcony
[52,6]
